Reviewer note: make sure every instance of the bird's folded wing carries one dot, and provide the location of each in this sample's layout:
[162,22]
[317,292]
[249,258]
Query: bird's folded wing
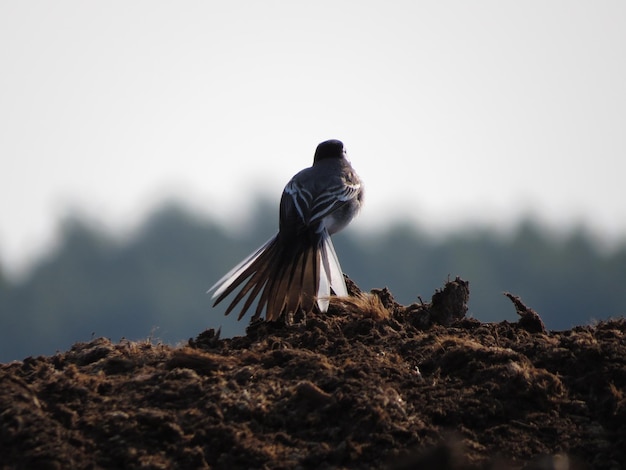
[313,209]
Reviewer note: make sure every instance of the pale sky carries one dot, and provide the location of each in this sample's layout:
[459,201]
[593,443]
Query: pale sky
[454,113]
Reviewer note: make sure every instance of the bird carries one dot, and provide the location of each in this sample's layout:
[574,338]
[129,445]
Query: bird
[298,267]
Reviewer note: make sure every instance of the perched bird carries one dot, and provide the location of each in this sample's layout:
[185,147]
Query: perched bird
[298,266]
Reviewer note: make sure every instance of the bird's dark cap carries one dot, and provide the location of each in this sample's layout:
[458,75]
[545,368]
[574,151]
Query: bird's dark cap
[329,149]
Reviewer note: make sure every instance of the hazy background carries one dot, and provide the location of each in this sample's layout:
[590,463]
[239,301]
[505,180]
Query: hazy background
[457,115]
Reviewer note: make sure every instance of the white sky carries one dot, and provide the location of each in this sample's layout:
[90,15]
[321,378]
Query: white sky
[453,112]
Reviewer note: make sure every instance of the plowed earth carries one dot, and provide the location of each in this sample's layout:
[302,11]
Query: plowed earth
[369,384]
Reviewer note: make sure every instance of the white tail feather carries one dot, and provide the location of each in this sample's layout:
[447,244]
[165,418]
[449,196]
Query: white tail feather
[335,274]
[323,290]
[232,275]
[331,275]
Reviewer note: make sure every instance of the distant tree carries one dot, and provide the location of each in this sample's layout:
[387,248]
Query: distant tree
[154,283]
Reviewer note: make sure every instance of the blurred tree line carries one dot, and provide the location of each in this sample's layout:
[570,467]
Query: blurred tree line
[153,284]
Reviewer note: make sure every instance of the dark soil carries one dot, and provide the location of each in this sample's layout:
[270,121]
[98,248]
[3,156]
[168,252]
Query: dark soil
[370,384]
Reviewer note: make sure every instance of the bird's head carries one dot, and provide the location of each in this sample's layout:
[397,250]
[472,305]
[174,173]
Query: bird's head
[329,149]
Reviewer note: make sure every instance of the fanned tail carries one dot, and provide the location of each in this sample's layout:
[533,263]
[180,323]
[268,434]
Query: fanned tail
[286,275]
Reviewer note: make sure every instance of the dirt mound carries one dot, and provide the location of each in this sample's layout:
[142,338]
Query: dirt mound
[369,384]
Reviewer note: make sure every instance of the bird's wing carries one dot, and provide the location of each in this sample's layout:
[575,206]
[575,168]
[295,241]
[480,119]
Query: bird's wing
[313,208]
